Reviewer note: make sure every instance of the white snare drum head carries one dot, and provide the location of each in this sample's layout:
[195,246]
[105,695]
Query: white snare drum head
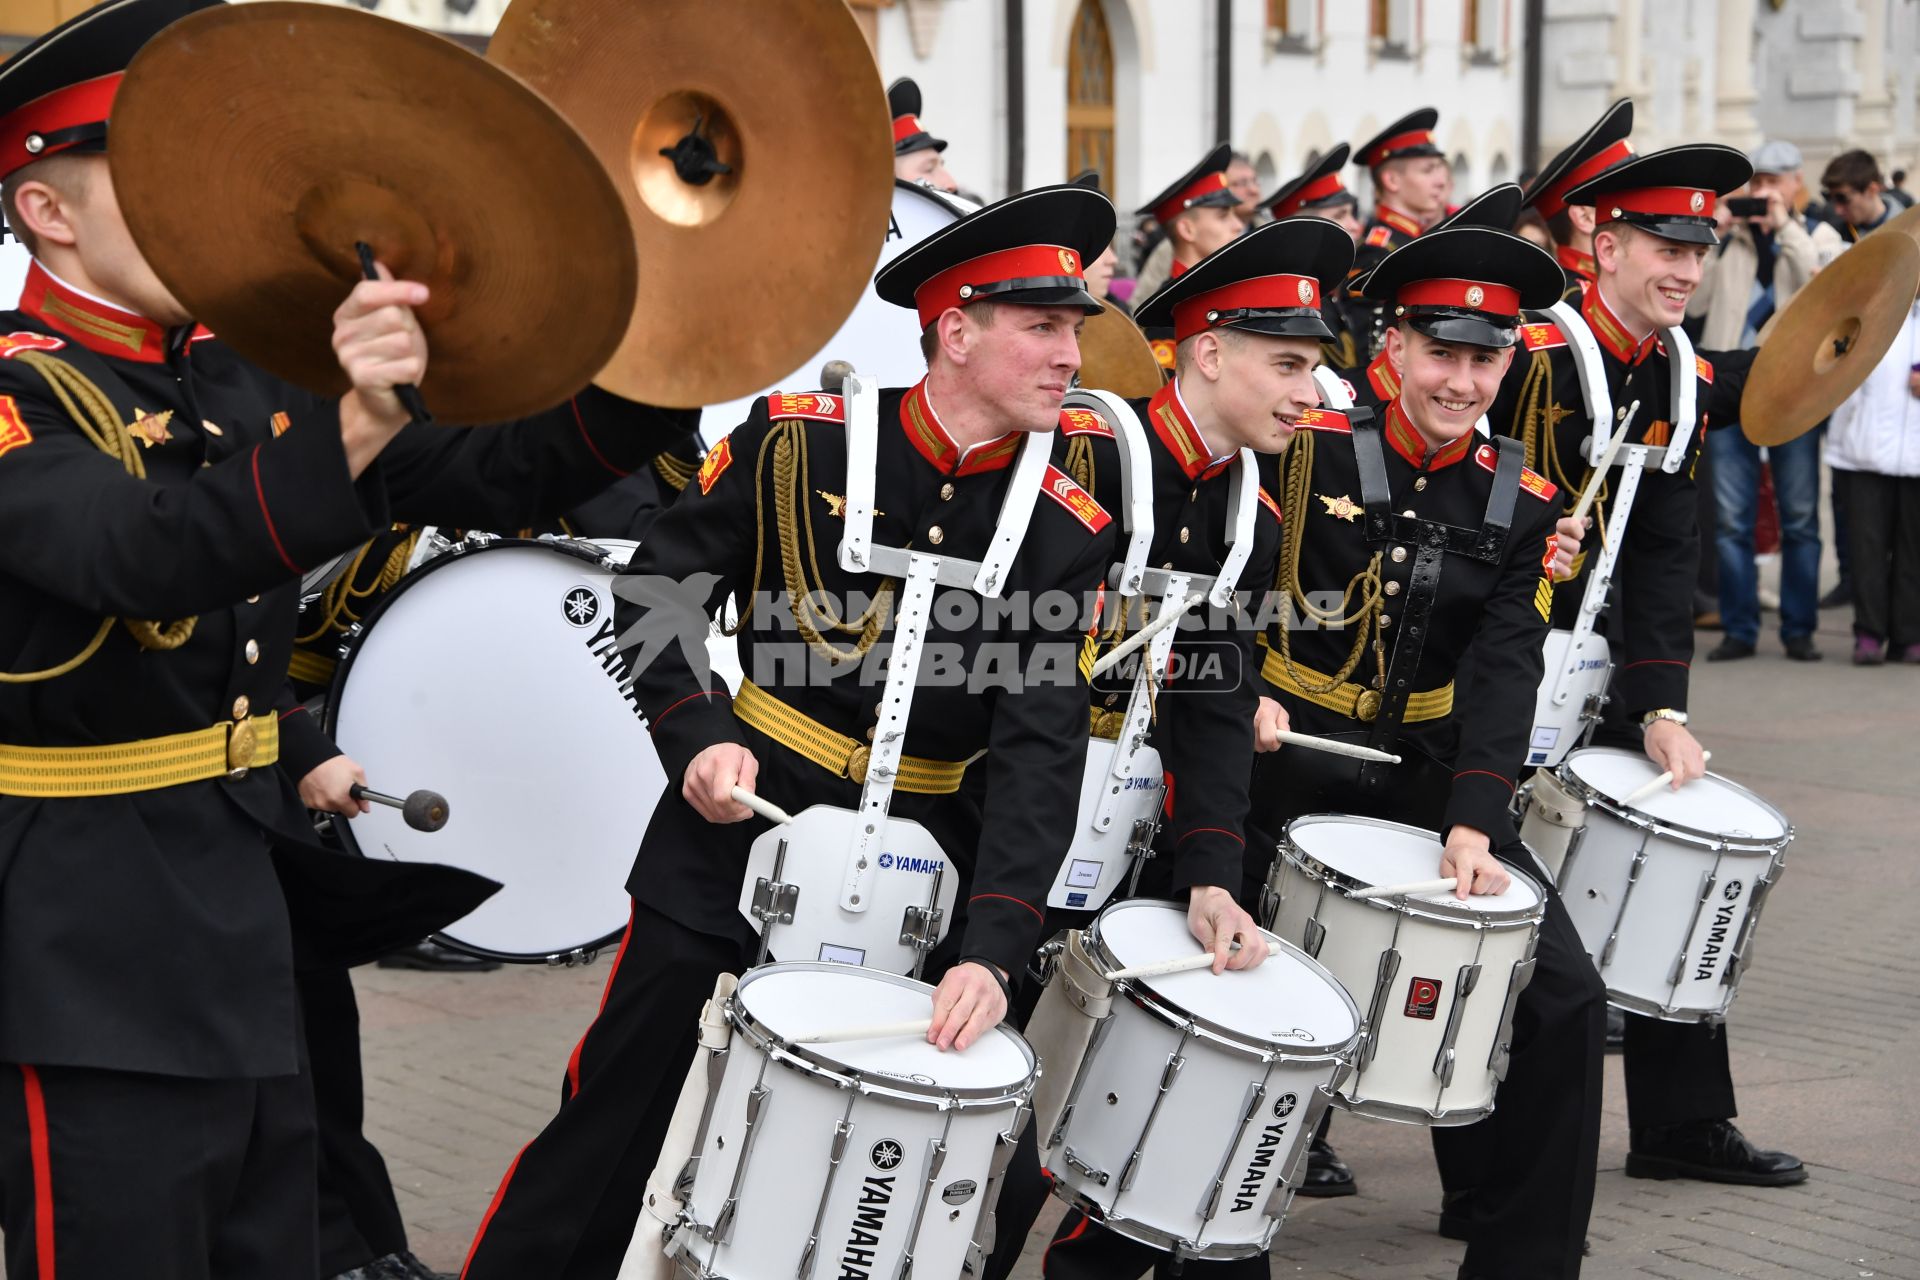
[802,1000]
[1287,1000]
[1710,804]
[1378,854]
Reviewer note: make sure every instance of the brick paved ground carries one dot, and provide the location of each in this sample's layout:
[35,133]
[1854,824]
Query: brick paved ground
[462,1070]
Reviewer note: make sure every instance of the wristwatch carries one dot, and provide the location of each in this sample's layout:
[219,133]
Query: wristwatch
[1663,713]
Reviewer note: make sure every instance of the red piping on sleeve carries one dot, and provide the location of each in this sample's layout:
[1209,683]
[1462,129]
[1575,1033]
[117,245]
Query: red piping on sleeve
[574,404]
[1010,898]
[683,702]
[267,515]
[1505,782]
[1219,831]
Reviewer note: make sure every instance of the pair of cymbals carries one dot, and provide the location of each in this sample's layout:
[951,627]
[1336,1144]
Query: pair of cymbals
[255,145]
[1819,350]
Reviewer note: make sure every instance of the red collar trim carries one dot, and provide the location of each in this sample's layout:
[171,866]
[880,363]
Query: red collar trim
[1176,429]
[1399,221]
[1176,269]
[1380,375]
[1578,263]
[98,326]
[927,435]
[1612,334]
[1410,445]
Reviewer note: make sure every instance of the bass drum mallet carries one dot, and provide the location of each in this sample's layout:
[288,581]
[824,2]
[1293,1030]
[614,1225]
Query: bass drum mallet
[422,810]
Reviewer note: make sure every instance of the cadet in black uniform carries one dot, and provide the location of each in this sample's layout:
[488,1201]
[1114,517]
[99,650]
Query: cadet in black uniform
[1602,146]
[1248,321]
[1198,214]
[159,499]
[918,156]
[1409,173]
[1655,227]
[1438,659]
[767,502]
[1319,193]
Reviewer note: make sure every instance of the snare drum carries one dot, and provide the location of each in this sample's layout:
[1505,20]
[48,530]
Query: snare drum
[877,1157]
[1666,894]
[1440,976]
[1190,1115]
[1118,819]
[492,675]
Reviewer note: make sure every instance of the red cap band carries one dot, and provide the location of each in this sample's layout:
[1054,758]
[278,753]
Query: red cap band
[1262,293]
[89,102]
[1033,261]
[1319,189]
[1550,201]
[1177,204]
[905,127]
[1474,295]
[1681,202]
[1398,142]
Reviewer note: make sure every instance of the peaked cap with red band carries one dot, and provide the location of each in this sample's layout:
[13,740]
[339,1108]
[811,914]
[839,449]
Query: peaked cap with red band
[1598,150]
[903,104]
[1270,280]
[1201,187]
[56,94]
[1318,188]
[1031,248]
[1409,136]
[1466,284]
[1670,193]
[1496,207]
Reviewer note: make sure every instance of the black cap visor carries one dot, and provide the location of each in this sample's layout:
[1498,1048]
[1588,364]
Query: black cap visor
[922,141]
[1281,322]
[1042,291]
[1477,328]
[1672,227]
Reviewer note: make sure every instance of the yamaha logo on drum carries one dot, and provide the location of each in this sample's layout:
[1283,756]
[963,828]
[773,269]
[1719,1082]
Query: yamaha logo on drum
[1732,892]
[901,862]
[1265,1152]
[886,1155]
[581,607]
[861,1251]
[1284,1104]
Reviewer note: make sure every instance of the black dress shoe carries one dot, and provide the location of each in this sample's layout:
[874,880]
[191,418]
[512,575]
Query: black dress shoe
[1710,1151]
[1616,1029]
[430,955]
[1327,1174]
[1802,649]
[1729,650]
[1456,1214]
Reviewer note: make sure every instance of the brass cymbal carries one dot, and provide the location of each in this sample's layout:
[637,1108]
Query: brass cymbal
[254,144]
[743,273]
[1830,337]
[1115,356]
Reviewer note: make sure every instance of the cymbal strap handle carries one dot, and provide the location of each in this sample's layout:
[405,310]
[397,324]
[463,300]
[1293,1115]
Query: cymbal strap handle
[407,394]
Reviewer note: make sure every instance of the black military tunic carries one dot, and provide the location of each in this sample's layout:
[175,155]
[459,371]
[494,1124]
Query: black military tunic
[768,502]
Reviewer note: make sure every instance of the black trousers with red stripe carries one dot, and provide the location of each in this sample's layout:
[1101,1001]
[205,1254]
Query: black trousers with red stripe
[567,1206]
[106,1175]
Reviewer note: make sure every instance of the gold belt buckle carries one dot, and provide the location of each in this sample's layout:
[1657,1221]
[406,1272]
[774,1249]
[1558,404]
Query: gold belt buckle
[243,744]
[856,767]
[1367,705]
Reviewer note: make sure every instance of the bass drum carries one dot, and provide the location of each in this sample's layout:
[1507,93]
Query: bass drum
[14,261]
[879,340]
[492,675]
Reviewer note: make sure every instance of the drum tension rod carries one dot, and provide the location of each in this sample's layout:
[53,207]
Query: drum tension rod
[694,157]
[407,394]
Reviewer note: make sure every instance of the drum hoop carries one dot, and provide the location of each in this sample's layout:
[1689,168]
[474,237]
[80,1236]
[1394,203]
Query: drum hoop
[1141,995]
[1717,842]
[812,1060]
[1438,912]
[1407,1113]
[929,195]
[1165,1241]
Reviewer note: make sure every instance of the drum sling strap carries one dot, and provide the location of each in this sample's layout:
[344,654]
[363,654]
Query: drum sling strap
[1432,541]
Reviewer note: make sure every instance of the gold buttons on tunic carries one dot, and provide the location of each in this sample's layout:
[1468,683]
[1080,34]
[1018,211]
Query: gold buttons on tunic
[1420,484]
[1393,588]
[1408,513]
[253,599]
[253,652]
[946,493]
[1398,555]
[1386,620]
[241,707]
[1184,534]
[936,535]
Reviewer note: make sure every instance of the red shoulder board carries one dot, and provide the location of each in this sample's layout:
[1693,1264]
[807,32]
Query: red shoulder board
[1542,337]
[817,405]
[1380,237]
[718,459]
[13,343]
[1083,422]
[1704,368]
[1266,500]
[200,334]
[1530,480]
[13,428]
[1059,486]
[1325,420]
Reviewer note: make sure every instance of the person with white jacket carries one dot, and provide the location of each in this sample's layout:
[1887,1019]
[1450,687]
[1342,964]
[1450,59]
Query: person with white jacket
[1873,446]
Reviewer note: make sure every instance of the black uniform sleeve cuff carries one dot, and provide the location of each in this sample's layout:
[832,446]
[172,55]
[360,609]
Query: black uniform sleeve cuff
[1206,857]
[304,745]
[688,727]
[1002,930]
[1652,684]
[1480,800]
[625,435]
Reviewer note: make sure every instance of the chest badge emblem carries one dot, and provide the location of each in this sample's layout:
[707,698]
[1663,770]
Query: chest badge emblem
[151,429]
[1341,508]
[837,505]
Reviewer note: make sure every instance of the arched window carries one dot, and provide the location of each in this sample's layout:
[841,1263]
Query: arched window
[1090,95]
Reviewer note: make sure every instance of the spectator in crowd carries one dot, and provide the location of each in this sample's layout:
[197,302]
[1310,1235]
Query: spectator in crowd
[1900,180]
[1764,259]
[1244,182]
[1531,226]
[1873,446]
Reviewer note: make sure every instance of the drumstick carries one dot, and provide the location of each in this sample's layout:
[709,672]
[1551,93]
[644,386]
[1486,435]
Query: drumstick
[1160,968]
[1111,659]
[1410,888]
[877,1031]
[1641,793]
[1606,461]
[1289,737]
[406,393]
[422,810]
[765,808]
